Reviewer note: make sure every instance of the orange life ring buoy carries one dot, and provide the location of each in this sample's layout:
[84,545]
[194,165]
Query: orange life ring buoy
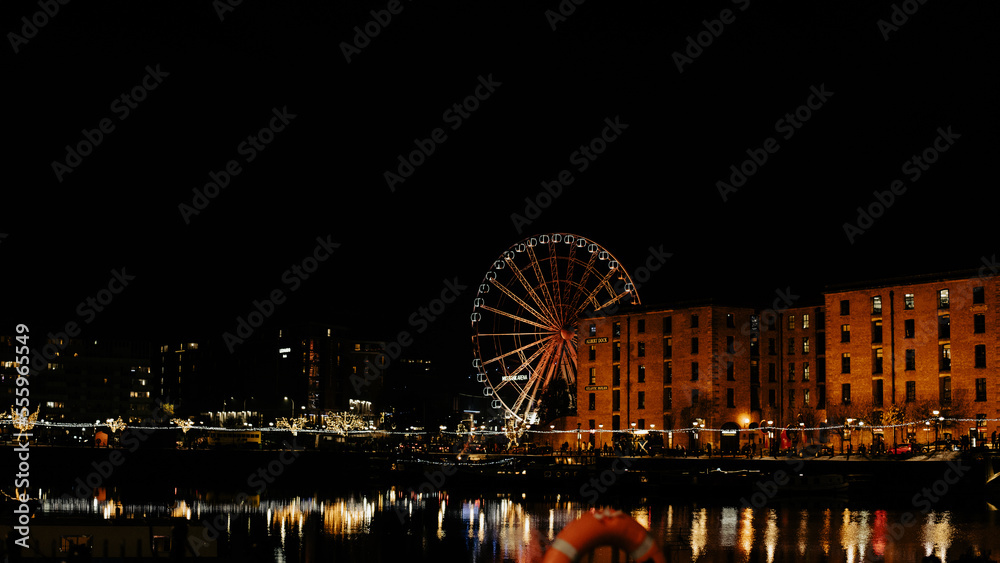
[596,529]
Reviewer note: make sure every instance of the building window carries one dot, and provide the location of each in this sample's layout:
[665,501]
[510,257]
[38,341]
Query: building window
[845,307]
[911,391]
[791,398]
[616,352]
[946,390]
[771,346]
[845,333]
[616,330]
[668,398]
[668,325]
[641,424]
[731,398]
[791,322]
[668,372]
[668,347]
[845,362]
[616,422]
[730,345]
[641,402]
[821,396]
[878,395]
[730,320]
[641,349]
[593,329]
[978,295]
[791,346]
[694,371]
[694,321]
[694,397]
[592,401]
[980,355]
[694,345]
[945,356]
[944,327]
[877,332]
[791,372]
[642,373]
[805,345]
[616,375]
[772,375]
[805,397]
[805,321]
[754,373]
[592,353]
[616,400]
[877,305]
[820,369]
[805,371]
[730,371]
[943,299]
[593,376]
[980,389]
[908,301]
[877,360]
[772,400]
[640,326]
[911,359]
[845,393]
[908,328]
[979,323]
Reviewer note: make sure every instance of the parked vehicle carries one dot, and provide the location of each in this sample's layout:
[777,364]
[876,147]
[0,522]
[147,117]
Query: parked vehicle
[905,449]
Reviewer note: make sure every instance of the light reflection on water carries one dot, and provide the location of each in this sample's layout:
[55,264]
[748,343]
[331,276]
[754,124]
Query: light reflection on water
[492,529]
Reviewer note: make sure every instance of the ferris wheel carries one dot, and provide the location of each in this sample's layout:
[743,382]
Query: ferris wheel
[525,317]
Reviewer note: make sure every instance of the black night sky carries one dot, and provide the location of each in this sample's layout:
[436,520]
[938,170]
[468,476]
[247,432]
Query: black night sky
[220,80]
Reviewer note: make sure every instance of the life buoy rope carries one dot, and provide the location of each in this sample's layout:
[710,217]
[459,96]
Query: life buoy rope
[596,529]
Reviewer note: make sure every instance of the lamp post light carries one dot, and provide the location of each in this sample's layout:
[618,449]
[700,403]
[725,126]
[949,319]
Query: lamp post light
[292,412]
[847,431]
[937,422]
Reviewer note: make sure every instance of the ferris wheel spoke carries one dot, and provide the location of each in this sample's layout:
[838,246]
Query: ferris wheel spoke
[612,301]
[556,283]
[527,361]
[549,333]
[534,295]
[572,365]
[530,390]
[575,301]
[521,302]
[591,297]
[514,351]
[515,317]
[542,282]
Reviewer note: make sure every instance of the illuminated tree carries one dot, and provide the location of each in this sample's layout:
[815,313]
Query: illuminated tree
[294,424]
[21,422]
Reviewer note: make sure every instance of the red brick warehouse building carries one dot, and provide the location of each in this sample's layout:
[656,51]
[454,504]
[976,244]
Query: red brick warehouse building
[671,367]
[909,347]
[920,344]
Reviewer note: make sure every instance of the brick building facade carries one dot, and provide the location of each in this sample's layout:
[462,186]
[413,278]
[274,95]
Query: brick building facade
[905,347]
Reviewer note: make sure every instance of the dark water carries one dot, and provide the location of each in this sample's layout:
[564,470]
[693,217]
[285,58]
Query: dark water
[388,525]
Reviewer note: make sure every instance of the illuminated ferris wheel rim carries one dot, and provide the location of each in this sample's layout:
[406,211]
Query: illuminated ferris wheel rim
[540,332]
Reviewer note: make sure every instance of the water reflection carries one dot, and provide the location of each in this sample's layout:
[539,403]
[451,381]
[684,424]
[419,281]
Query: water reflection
[491,529]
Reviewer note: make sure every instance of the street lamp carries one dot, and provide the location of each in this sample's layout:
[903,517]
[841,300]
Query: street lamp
[937,422]
[292,413]
[847,431]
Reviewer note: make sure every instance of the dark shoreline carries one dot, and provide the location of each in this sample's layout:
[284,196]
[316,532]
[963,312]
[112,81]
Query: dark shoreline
[73,470]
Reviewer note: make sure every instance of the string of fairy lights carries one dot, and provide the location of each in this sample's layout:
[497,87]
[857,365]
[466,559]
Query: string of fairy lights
[297,426]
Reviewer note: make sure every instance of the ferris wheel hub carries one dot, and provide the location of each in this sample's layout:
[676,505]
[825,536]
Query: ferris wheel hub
[567,334]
